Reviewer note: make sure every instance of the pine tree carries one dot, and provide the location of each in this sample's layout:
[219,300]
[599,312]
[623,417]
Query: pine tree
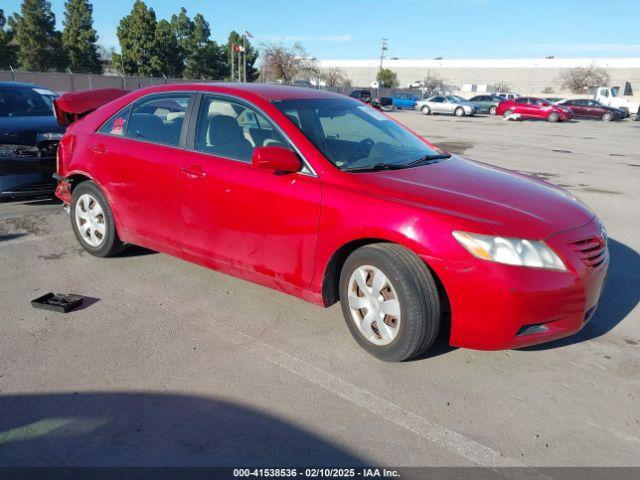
[7,48]
[79,38]
[202,57]
[252,55]
[39,45]
[167,58]
[137,35]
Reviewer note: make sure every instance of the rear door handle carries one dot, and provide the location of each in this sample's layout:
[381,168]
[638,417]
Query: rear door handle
[194,171]
[99,149]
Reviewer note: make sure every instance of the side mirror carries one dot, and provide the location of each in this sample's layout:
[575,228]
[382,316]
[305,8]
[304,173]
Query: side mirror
[278,159]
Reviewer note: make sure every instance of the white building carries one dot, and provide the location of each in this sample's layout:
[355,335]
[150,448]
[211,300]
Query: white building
[526,76]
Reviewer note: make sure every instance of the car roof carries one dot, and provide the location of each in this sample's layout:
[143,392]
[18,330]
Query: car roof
[21,85]
[265,91]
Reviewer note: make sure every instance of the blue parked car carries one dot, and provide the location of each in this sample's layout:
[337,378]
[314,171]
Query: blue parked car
[404,100]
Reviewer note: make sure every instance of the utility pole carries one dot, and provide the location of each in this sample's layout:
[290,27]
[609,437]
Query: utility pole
[244,58]
[383,49]
[233,52]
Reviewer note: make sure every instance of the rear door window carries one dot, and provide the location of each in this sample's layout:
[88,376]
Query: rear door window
[159,118]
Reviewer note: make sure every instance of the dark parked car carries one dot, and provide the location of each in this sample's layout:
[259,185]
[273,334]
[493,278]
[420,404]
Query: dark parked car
[29,136]
[364,95]
[487,103]
[587,108]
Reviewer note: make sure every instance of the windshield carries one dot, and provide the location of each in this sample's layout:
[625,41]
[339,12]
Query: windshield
[26,102]
[456,99]
[354,136]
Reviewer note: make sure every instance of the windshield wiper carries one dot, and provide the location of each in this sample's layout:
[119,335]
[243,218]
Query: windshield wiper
[376,167]
[428,159]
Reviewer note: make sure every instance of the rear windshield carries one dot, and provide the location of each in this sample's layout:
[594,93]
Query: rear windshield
[26,102]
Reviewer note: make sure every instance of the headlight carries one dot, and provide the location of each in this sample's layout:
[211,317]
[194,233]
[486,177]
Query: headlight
[510,251]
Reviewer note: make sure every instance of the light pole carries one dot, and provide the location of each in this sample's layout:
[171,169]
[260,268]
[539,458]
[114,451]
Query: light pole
[383,49]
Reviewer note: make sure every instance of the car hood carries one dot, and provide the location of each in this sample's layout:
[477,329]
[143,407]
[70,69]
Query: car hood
[25,130]
[506,202]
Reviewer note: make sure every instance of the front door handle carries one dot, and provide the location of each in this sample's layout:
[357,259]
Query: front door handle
[100,149]
[194,171]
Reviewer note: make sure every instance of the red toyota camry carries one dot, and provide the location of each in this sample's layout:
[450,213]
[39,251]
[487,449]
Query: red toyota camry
[532,107]
[322,197]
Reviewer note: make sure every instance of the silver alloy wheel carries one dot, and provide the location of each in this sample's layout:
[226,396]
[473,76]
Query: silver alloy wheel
[374,305]
[90,220]
[459,112]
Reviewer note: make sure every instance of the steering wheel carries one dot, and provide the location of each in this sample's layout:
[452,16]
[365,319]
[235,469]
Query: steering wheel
[365,145]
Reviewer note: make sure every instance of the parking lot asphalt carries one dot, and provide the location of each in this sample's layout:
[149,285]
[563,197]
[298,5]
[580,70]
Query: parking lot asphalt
[169,363]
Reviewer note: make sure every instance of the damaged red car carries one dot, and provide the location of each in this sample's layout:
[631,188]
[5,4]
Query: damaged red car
[322,197]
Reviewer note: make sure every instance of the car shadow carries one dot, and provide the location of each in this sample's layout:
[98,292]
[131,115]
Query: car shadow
[139,429]
[620,296]
[11,236]
[135,251]
[441,344]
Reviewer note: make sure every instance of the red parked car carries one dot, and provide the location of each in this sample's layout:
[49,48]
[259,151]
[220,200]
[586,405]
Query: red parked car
[322,197]
[532,107]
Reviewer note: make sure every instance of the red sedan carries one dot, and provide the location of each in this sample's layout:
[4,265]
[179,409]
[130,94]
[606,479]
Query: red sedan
[322,197]
[531,107]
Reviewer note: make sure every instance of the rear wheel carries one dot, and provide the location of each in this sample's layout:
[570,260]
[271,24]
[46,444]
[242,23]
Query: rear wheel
[607,116]
[459,112]
[425,110]
[390,301]
[92,221]
[553,117]
[492,110]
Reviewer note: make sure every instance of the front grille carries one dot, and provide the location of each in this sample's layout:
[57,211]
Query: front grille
[42,150]
[18,151]
[592,250]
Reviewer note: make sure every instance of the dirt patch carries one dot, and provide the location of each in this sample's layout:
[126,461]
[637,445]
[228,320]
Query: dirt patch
[53,256]
[599,190]
[33,224]
[631,164]
[539,175]
[559,150]
[455,147]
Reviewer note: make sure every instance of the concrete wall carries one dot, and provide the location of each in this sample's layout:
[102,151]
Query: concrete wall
[527,76]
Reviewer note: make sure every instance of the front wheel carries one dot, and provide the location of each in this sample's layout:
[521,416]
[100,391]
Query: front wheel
[459,112]
[390,301]
[92,221]
[553,117]
[425,110]
[607,116]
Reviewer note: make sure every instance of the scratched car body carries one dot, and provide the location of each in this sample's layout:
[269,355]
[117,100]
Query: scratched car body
[322,197]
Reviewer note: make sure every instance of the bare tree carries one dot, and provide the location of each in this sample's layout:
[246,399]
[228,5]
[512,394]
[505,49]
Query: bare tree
[578,79]
[334,77]
[503,87]
[286,64]
[433,82]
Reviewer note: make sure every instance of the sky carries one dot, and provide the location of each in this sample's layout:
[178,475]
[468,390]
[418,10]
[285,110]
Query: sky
[415,29]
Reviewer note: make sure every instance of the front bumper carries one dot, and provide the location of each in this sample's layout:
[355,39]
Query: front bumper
[493,305]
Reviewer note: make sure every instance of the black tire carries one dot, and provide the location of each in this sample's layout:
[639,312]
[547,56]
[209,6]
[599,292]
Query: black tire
[492,110]
[417,294]
[553,117]
[111,243]
[459,112]
[425,110]
[607,116]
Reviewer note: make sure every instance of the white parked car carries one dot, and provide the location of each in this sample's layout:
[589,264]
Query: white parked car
[508,95]
[416,84]
[449,104]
